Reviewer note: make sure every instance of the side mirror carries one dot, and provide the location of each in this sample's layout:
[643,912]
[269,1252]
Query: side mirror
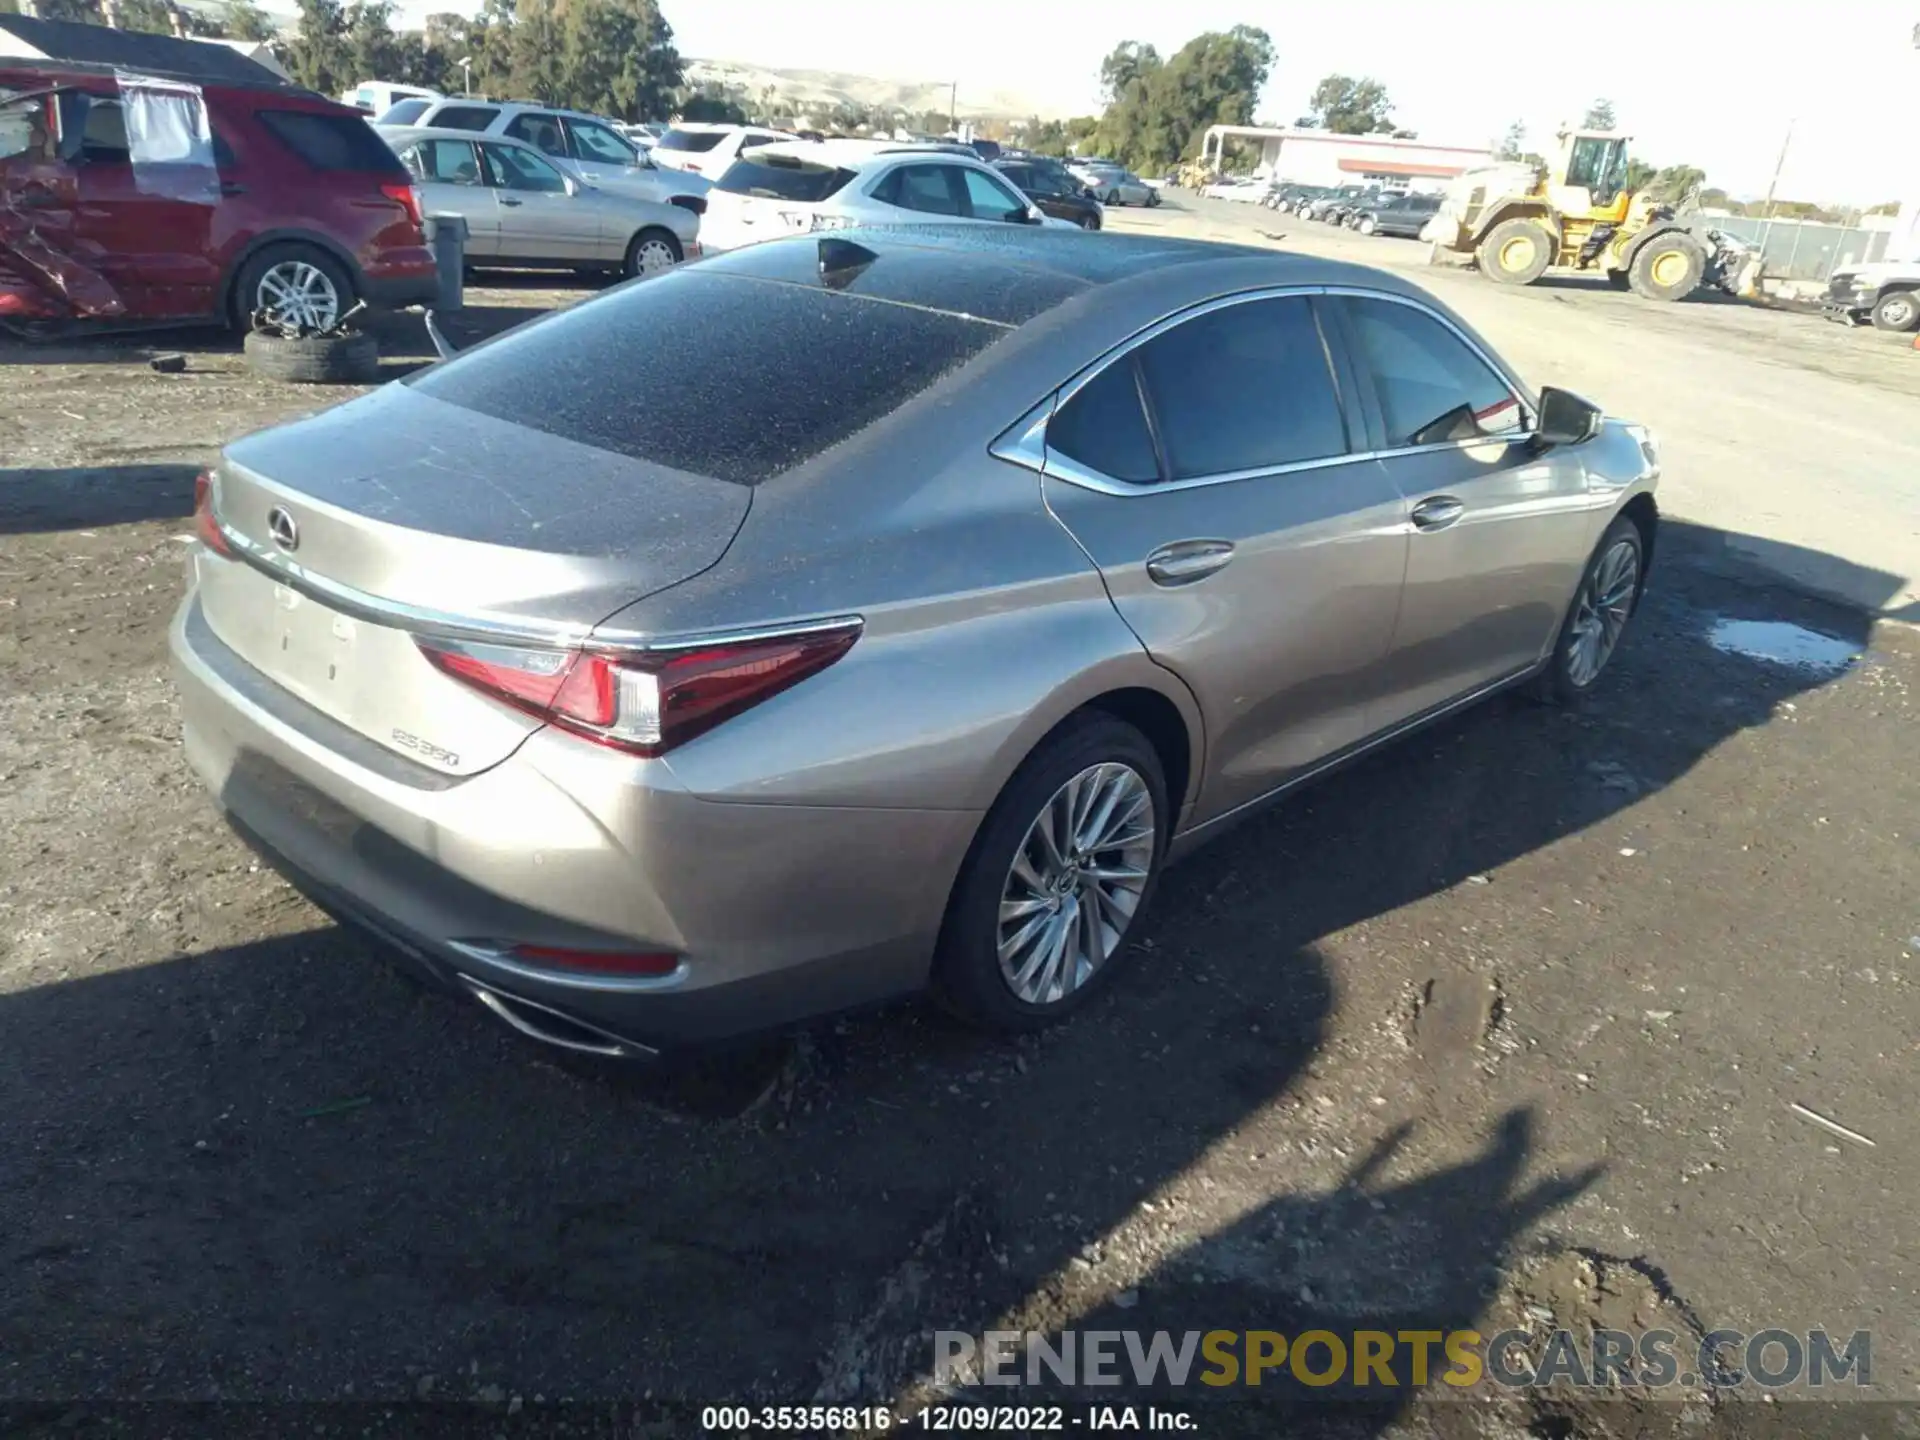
[1566,419]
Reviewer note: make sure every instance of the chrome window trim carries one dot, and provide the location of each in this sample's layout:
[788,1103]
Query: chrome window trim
[1024,443]
[498,630]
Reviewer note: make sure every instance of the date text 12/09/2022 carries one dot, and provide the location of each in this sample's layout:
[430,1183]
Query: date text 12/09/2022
[942,1419]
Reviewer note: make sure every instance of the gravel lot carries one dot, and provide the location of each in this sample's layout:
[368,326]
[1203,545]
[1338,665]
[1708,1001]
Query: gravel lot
[1506,1021]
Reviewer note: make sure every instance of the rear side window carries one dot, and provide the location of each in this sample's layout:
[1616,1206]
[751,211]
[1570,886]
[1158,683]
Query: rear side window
[1104,428]
[765,376]
[1244,387]
[465,117]
[1432,388]
[540,131]
[697,141]
[784,177]
[331,142]
[923,188]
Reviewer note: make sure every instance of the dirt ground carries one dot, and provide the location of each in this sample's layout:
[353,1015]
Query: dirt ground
[1503,1024]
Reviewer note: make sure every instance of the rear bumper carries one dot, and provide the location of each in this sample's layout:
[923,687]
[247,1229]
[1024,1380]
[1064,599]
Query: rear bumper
[782,912]
[405,278]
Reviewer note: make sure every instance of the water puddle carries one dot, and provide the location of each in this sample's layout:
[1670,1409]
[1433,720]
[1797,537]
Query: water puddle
[1778,642]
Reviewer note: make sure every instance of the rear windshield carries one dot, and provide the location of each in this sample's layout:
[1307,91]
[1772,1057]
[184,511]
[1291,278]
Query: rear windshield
[465,117]
[332,142]
[694,140]
[404,112]
[731,378]
[783,177]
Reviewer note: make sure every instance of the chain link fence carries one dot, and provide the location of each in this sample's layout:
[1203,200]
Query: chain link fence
[1804,249]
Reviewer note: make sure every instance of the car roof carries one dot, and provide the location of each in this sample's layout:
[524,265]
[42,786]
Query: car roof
[856,154]
[405,134]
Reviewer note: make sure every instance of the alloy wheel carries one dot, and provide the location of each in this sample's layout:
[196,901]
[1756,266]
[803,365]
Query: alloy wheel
[651,256]
[297,293]
[1076,880]
[1606,600]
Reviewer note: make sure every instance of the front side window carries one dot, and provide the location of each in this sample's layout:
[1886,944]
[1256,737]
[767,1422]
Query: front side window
[988,198]
[1432,387]
[515,169]
[598,145]
[1244,387]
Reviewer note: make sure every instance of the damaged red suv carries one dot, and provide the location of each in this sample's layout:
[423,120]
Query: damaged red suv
[152,200]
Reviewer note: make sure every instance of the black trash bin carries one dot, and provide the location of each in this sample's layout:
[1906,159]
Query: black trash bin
[447,235]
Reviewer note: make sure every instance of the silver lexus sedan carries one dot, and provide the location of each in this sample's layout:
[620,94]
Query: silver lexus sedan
[890,629]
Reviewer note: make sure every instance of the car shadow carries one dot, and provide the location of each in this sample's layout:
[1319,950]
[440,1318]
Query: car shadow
[93,497]
[268,1164]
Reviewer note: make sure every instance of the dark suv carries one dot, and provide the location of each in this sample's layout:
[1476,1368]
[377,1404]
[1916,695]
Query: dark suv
[1055,191]
[285,201]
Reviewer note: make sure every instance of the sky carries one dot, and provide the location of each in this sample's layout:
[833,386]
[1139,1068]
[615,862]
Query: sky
[1695,82]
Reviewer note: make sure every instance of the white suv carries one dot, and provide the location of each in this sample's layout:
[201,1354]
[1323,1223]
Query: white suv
[807,185]
[595,150]
[709,149]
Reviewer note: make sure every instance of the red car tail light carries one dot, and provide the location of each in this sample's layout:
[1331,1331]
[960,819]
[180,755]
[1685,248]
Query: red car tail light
[204,523]
[406,195]
[645,702]
[606,962]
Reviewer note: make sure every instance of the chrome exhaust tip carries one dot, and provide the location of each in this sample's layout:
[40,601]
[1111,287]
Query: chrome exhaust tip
[554,1027]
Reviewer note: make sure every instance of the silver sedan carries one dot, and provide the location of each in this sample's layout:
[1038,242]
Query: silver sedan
[1120,187]
[882,610]
[526,208]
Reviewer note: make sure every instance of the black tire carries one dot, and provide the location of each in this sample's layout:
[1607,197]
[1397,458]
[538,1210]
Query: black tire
[1153,199]
[1113,197]
[966,969]
[1558,683]
[652,236]
[1897,311]
[1089,222]
[352,359]
[1667,267]
[246,297]
[1516,252]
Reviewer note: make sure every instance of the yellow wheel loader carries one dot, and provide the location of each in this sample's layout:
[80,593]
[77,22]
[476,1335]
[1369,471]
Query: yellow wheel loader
[1518,222]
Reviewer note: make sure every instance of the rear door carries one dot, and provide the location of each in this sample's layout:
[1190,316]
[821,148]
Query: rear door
[449,175]
[1213,474]
[154,227]
[539,220]
[1500,530]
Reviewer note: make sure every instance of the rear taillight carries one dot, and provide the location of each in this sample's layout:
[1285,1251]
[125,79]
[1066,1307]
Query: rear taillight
[407,197]
[204,523]
[644,702]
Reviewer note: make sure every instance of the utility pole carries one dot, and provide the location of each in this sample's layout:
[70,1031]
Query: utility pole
[953,107]
[1773,185]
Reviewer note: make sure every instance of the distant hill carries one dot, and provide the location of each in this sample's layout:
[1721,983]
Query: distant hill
[830,87]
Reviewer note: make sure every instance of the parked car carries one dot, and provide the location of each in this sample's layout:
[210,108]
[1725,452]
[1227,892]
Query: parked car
[1122,187]
[709,149]
[1289,198]
[590,145]
[777,190]
[292,205]
[375,97]
[1055,191]
[1884,292]
[1400,215]
[525,208]
[1243,188]
[694,729]
[1322,206]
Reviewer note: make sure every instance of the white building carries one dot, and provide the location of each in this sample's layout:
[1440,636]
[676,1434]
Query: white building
[1320,157]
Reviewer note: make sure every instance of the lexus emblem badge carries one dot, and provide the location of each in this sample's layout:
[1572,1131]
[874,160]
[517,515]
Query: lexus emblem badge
[281,526]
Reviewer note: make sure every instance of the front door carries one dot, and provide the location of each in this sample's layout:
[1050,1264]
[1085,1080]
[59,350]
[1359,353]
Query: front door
[1499,529]
[1211,474]
[538,217]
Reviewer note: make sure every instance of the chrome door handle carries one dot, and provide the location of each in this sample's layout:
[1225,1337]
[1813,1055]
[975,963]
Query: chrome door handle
[1437,513]
[1186,561]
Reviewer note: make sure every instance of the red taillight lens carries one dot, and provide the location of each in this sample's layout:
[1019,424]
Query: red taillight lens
[606,962]
[647,702]
[406,195]
[204,525]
